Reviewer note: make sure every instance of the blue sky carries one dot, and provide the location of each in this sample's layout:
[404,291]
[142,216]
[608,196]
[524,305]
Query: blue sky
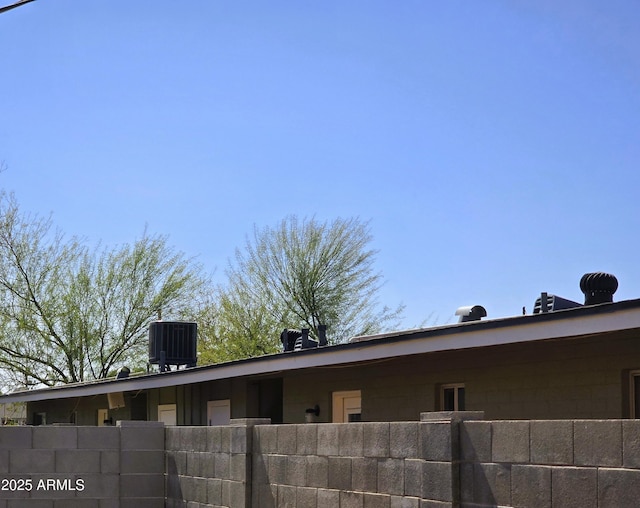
[494,146]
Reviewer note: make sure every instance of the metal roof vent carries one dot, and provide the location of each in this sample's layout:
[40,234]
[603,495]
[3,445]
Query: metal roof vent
[550,303]
[123,372]
[471,313]
[598,287]
[297,340]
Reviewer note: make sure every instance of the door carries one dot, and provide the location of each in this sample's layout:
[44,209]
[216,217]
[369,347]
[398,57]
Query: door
[219,412]
[103,417]
[167,414]
[347,406]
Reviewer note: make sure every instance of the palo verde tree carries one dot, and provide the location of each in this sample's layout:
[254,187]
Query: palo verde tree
[300,274]
[69,313]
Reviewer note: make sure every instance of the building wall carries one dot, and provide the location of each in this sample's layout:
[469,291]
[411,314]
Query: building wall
[582,378]
[84,411]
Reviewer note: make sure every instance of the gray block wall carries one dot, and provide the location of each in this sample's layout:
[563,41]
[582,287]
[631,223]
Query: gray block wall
[444,460]
[549,464]
[210,467]
[92,467]
[387,464]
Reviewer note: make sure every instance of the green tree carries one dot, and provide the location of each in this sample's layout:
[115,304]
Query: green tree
[302,273]
[68,313]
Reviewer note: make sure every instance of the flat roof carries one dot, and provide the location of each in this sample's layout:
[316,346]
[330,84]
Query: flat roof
[574,322]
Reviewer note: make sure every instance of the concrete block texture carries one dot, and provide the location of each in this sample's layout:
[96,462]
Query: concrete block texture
[328,439]
[530,486]
[403,440]
[631,444]
[351,499]
[574,487]
[551,442]
[55,437]
[142,503]
[81,461]
[239,439]
[225,439]
[277,468]
[413,477]
[510,441]
[214,439]
[306,439]
[239,467]
[262,496]
[296,473]
[492,484]
[618,488]
[287,439]
[141,437]
[99,438]
[437,441]
[307,497]
[16,437]
[597,443]
[317,471]
[372,500]
[141,461]
[287,496]
[475,441]
[141,485]
[351,439]
[391,476]
[404,502]
[32,461]
[328,497]
[376,439]
[266,439]
[222,465]
[437,481]
[364,474]
[214,491]
[4,462]
[339,476]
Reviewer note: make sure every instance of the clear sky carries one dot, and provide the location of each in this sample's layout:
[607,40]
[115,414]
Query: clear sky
[494,145]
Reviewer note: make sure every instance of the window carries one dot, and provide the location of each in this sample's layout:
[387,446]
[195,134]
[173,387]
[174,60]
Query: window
[219,412]
[347,406]
[452,397]
[634,393]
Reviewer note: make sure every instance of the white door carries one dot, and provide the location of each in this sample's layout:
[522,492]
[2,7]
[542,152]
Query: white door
[347,406]
[219,412]
[167,414]
[103,414]
[352,411]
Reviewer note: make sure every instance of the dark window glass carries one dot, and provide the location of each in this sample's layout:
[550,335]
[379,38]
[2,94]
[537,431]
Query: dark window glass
[460,399]
[355,417]
[449,399]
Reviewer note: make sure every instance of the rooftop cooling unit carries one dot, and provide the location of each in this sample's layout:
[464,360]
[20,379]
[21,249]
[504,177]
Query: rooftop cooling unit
[550,303]
[173,343]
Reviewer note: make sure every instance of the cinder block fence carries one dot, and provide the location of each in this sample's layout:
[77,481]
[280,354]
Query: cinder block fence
[443,460]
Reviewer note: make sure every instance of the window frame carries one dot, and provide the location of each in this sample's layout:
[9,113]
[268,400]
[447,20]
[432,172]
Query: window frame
[456,396]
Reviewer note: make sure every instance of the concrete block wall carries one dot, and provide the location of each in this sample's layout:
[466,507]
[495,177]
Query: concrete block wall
[363,465]
[209,467]
[82,467]
[549,464]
